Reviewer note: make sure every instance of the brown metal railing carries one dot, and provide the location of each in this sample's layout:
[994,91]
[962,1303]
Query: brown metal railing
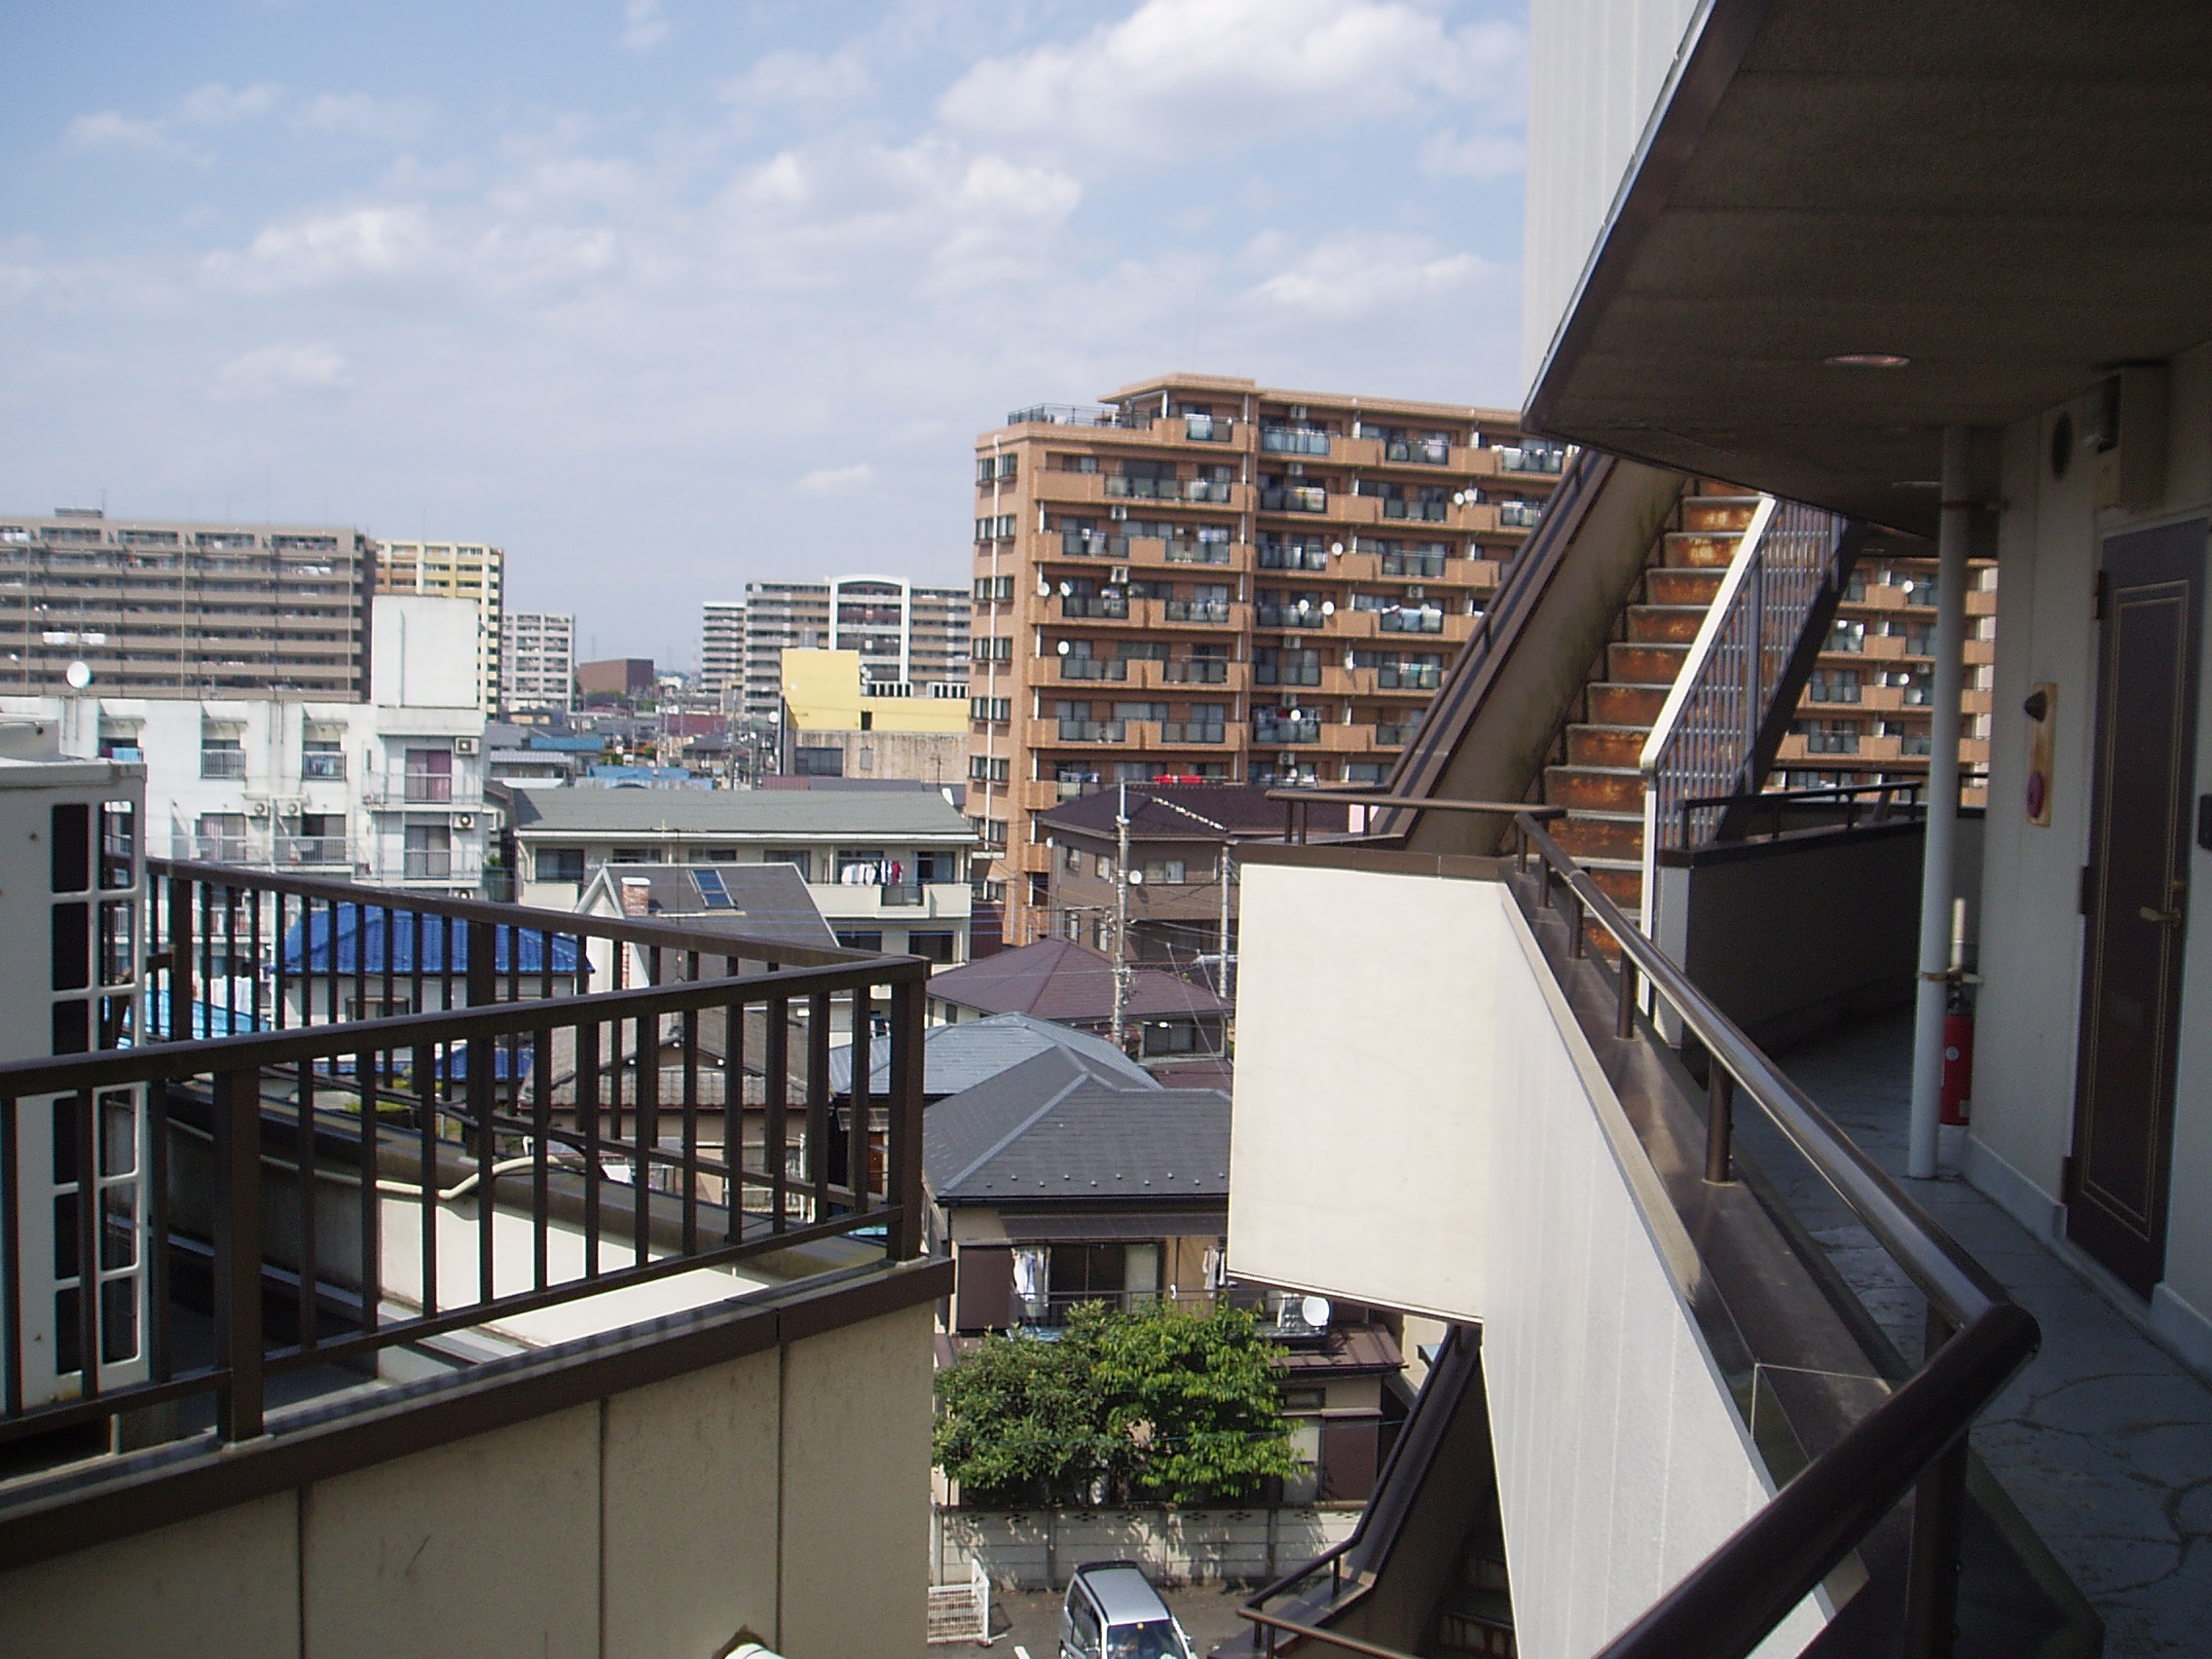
[1914,1442]
[589,1117]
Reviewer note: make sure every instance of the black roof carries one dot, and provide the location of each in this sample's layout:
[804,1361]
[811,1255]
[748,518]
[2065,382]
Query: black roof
[1187,812]
[1058,1128]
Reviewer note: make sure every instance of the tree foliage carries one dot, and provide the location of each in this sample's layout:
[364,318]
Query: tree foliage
[1160,1404]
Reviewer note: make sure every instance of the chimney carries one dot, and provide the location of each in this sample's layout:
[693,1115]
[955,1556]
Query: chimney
[636,895]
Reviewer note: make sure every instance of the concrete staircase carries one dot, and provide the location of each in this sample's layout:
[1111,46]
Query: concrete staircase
[1475,1615]
[1593,772]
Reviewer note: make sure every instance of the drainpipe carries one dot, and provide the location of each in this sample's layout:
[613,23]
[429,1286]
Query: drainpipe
[1938,871]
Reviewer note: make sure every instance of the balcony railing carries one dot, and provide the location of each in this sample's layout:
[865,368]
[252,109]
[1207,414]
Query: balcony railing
[322,764]
[1420,565]
[1286,731]
[1196,671]
[293,851]
[1530,457]
[1094,667]
[1184,731]
[1199,552]
[1286,674]
[1195,609]
[1401,677]
[1411,619]
[1422,451]
[900,895]
[1093,544]
[470,1166]
[1293,617]
[1070,415]
[1091,731]
[1098,607]
[1394,736]
[1293,440]
[222,762]
[1208,428]
[428,787]
[1274,557]
[432,864]
[1299,499]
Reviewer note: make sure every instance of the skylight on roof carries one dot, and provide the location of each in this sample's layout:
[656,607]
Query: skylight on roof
[711,893]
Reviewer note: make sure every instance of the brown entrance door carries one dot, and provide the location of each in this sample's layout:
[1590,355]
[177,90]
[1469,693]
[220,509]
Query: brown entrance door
[2142,787]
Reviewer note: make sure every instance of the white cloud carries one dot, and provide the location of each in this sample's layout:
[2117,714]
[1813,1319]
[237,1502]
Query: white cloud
[217,106]
[111,130]
[273,370]
[805,79]
[837,480]
[1483,155]
[1353,276]
[644,26]
[1177,75]
[361,242]
[358,115]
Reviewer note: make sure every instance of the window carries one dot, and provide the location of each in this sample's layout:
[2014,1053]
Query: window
[222,754]
[1072,857]
[990,709]
[932,946]
[632,855]
[1834,685]
[429,775]
[322,757]
[560,863]
[984,770]
[993,590]
[798,857]
[1171,1037]
[430,852]
[1166,871]
[221,838]
[860,938]
[991,647]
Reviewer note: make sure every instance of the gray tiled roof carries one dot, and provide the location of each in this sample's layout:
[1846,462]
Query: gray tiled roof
[888,814]
[767,902]
[1053,1127]
[957,1058]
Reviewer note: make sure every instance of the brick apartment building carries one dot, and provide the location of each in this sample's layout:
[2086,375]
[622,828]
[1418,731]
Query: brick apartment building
[1207,578]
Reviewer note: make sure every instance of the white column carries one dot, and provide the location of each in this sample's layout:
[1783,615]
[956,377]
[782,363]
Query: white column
[1938,871]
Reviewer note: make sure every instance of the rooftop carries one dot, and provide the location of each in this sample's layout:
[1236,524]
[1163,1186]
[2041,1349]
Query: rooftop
[1063,1126]
[906,814]
[1056,978]
[1195,812]
[767,902]
[957,1058]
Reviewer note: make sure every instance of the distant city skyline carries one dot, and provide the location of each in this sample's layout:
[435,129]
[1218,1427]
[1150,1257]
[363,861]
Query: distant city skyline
[667,297]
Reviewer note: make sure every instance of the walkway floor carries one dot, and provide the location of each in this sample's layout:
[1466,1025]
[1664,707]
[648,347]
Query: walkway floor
[2105,1440]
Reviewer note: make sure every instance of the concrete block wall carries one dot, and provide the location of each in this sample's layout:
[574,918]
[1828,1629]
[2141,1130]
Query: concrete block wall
[1036,1549]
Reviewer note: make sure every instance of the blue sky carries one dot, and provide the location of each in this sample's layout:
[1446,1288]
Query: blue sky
[668,295]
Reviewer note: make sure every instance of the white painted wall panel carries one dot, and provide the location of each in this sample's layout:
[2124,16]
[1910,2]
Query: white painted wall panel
[1621,1461]
[1359,1167]
[1596,72]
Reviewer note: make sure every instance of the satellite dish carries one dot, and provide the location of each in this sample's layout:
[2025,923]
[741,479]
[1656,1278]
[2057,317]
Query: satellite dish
[1328,607]
[1136,878]
[1314,1310]
[79,675]
[1063,648]
[1338,548]
[1066,589]
[1460,499]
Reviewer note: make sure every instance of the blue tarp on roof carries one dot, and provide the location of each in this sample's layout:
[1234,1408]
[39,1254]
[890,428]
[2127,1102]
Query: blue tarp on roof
[209,1018]
[569,745]
[360,947]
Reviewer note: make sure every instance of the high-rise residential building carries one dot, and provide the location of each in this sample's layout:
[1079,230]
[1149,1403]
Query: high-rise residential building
[909,636]
[537,661]
[454,570]
[162,608]
[721,646]
[1209,580]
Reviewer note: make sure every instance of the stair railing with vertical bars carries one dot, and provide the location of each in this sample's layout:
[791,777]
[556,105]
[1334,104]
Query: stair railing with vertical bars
[1721,722]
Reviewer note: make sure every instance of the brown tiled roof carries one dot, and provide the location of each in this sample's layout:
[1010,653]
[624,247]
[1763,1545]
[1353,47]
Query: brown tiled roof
[1177,812]
[1056,978]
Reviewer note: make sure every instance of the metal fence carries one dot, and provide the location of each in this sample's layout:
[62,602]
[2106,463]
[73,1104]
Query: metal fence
[519,1140]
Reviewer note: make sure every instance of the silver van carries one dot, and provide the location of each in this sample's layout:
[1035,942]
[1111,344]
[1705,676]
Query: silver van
[1112,1611]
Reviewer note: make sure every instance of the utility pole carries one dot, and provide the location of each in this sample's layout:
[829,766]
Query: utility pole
[1228,867]
[1121,916]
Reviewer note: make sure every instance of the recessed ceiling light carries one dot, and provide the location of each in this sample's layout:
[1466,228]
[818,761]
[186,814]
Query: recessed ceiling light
[1868,360]
[1918,484]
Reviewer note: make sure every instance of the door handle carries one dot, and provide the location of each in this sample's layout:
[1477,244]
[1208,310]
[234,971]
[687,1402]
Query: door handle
[2164,918]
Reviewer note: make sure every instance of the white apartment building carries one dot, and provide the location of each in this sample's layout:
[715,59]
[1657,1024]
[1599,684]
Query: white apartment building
[456,570]
[537,661]
[721,646]
[914,639]
[390,791]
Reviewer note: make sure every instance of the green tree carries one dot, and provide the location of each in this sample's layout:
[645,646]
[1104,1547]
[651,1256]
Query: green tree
[1161,1404]
[1195,1397]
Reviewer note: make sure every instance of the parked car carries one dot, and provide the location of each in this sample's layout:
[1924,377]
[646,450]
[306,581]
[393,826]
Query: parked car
[1112,1611]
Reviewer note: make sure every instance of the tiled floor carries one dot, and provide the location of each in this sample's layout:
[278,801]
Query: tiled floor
[2105,1440]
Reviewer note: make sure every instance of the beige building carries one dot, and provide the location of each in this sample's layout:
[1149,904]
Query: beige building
[906,636]
[456,570]
[1210,579]
[158,608]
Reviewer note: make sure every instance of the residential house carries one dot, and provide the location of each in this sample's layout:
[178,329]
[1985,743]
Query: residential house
[1165,1016]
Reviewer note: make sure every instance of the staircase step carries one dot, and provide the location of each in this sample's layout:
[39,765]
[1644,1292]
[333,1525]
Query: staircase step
[1614,704]
[1718,512]
[1476,1621]
[1691,585]
[1669,625]
[1636,663]
[1689,549]
[1622,883]
[1598,788]
[1606,745]
[1612,836]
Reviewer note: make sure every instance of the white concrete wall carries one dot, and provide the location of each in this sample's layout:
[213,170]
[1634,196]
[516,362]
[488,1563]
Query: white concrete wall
[2027,1024]
[1596,71]
[1621,1461]
[423,651]
[786,1492]
[1036,1549]
[1360,1162]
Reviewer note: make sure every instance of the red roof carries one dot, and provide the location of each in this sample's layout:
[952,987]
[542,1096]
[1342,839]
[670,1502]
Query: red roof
[1059,979]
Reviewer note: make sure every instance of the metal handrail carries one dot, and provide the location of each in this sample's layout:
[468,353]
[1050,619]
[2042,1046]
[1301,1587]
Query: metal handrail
[1297,803]
[1914,1441]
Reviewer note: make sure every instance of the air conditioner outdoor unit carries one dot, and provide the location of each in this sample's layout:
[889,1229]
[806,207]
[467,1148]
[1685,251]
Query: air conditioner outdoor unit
[1298,411]
[257,809]
[1117,512]
[1121,575]
[464,820]
[465,746]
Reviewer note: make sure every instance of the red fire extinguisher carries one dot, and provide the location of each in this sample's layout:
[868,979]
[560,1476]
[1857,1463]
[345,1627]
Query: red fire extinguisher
[1955,1106]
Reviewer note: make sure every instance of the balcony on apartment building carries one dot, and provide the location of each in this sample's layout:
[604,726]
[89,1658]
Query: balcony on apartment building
[407,1227]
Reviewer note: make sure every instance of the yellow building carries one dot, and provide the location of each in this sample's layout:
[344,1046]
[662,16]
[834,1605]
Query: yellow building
[832,729]
[457,571]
